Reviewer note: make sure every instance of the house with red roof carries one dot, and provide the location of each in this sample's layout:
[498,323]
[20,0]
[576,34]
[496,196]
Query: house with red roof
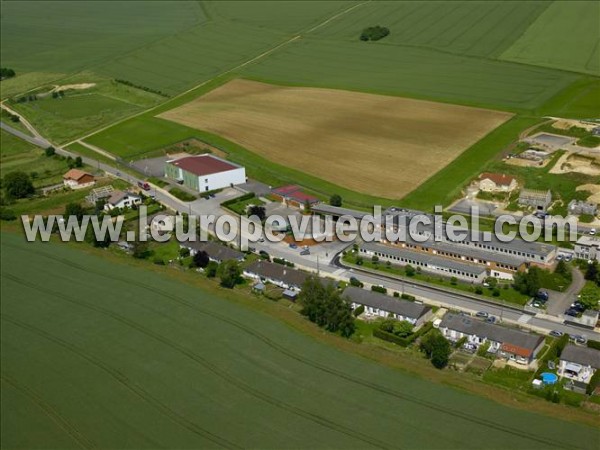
[204,173]
[293,195]
[497,182]
[78,179]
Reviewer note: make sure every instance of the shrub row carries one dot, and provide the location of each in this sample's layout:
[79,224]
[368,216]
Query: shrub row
[403,342]
[283,262]
[143,88]
[242,198]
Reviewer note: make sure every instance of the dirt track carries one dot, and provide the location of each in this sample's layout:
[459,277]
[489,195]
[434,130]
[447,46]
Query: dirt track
[380,145]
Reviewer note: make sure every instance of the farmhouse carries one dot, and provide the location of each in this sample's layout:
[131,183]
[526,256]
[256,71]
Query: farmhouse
[293,195]
[78,179]
[205,172]
[538,199]
[588,248]
[513,345]
[215,251]
[579,363]
[277,274]
[427,263]
[496,182]
[577,207]
[378,304]
[120,199]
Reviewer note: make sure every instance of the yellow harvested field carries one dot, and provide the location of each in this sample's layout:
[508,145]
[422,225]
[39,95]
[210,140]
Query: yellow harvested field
[375,144]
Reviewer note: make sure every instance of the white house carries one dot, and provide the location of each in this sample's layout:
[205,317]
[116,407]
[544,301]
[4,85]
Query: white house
[120,199]
[78,179]
[588,247]
[510,344]
[204,173]
[497,182]
[377,304]
[579,363]
[276,274]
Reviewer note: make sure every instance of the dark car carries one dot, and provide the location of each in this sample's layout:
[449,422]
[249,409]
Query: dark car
[556,333]
[543,295]
[294,246]
[305,252]
[263,254]
[491,319]
[572,312]
[481,314]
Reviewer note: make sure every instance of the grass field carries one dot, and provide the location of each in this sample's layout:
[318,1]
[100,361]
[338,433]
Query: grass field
[81,111]
[565,36]
[138,360]
[18,155]
[369,139]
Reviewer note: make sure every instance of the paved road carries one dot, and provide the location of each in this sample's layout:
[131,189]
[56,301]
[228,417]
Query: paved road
[324,259]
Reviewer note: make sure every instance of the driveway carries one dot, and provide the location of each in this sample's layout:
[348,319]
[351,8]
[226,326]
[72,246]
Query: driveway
[560,301]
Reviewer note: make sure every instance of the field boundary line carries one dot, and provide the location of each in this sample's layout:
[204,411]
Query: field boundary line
[336,16]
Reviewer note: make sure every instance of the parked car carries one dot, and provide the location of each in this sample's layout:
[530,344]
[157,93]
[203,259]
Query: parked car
[305,252]
[578,339]
[481,314]
[592,231]
[568,258]
[143,185]
[559,257]
[572,312]
[294,246]
[491,319]
[556,333]
[264,254]
[543,295]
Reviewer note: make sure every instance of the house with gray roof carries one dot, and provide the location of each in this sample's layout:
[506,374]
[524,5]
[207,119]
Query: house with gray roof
[378,304]
[579,363]
[276,274]
[511,344]
[578,207]
[215,251]
[121,199]
[539,200]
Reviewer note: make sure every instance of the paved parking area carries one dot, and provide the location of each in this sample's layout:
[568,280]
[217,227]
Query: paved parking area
[155,167]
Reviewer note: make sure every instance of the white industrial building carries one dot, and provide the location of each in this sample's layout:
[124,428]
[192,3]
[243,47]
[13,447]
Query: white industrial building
[204,173]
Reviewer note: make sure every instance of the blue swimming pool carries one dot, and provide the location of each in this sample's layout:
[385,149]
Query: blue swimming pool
[549,378]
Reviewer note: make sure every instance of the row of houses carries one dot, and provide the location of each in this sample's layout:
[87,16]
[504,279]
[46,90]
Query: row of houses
[473,257]
[510,344]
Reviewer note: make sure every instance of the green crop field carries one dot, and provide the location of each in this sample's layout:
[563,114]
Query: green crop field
[565,36]
[94,357]
[411,72]
[476,28]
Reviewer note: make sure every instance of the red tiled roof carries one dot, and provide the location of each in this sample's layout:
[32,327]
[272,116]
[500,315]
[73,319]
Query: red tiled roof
[203,164]
[500,179]
[286,190]
[75,174]
[302,197]
[515,350]
[294,192]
